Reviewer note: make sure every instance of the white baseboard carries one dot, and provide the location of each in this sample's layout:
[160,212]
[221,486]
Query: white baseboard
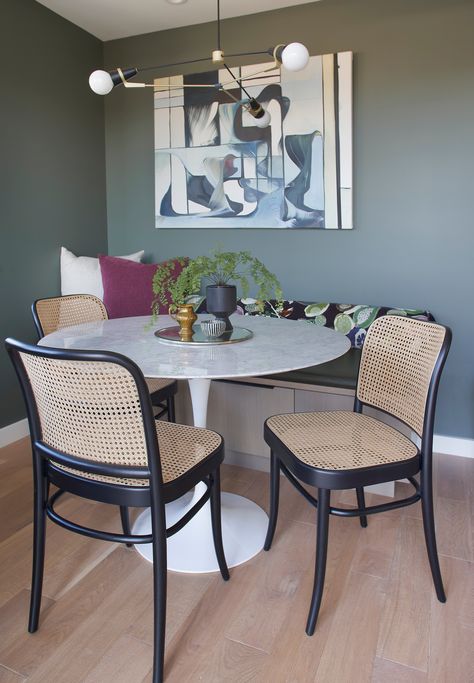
[252,462]
[13,432]
[453,445]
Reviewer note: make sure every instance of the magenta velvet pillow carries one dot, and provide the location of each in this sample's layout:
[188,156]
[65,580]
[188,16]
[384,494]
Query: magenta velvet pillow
[128,286]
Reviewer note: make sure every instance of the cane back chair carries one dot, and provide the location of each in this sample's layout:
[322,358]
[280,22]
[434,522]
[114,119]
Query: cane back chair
[400,368]
[56,312]
[94,435]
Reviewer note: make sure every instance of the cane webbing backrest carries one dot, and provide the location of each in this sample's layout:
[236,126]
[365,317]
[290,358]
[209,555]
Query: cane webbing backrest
[64,311]
[88,409]
[396,367]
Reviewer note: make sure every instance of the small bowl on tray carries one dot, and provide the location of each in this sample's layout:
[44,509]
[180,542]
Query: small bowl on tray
[212,328]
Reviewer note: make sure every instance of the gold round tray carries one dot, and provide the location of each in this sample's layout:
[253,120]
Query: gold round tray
[171,335]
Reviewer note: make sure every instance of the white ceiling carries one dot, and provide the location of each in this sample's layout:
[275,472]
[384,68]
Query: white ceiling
[110,19]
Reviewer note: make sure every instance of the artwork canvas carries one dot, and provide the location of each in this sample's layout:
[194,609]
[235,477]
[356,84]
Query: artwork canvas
[215,169]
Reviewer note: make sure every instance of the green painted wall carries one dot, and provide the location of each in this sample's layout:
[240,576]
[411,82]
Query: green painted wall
[414,152]
[52,166]
[413,241]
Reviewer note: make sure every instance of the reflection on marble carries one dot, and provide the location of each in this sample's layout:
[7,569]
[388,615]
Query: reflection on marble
[278,345]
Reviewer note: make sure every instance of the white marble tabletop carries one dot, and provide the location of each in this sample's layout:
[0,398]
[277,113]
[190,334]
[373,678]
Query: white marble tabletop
[277,345]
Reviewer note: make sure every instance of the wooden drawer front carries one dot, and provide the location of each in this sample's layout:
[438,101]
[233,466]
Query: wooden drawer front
[238,411]
[306,401]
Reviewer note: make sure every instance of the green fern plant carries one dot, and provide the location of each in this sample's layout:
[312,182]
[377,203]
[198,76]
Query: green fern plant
[219,268]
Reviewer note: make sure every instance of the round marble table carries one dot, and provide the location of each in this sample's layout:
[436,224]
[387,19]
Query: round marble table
[277,345]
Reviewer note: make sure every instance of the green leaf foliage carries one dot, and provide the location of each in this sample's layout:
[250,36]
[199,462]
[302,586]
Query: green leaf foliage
[313,310]
[364,316]
[219,268]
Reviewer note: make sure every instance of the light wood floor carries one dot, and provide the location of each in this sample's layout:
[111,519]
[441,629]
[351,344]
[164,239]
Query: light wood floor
[380,620]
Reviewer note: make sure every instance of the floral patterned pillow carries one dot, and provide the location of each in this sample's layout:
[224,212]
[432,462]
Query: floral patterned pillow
[353,320]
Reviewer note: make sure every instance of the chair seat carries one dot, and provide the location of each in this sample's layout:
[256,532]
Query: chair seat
[181,448]
[157,384]
[341,440]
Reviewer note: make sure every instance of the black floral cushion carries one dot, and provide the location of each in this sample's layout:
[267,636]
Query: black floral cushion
[353,320]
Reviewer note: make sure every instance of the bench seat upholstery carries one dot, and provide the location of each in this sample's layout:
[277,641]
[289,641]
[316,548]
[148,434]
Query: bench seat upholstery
[340,373]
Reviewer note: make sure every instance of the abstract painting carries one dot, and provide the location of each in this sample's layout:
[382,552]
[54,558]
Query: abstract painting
[214,168]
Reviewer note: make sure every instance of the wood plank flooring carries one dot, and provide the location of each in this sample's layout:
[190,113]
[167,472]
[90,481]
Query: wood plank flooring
[380,621]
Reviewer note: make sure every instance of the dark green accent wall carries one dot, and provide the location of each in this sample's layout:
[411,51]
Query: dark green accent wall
[413,148]
[52,166]
[413,242]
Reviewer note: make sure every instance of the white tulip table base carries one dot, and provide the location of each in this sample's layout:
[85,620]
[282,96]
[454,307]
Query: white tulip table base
[191,550]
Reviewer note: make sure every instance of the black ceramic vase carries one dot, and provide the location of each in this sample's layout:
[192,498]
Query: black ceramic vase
[221,300]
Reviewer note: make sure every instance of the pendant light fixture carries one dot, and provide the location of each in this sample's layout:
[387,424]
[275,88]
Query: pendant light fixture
[293,57]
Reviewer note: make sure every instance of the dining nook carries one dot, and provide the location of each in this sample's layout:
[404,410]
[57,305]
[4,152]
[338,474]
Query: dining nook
[236,407]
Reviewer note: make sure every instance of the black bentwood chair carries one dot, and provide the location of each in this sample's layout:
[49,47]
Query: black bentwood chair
[94,435]
[399,373]
[56,312]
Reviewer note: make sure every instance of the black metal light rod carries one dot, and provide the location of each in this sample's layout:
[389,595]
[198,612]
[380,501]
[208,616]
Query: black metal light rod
[250,54]
[218,25]
[205,59]
[165,66]
[238,81]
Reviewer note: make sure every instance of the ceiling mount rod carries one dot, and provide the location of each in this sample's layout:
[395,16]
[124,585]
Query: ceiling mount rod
[219,25]
[217,55]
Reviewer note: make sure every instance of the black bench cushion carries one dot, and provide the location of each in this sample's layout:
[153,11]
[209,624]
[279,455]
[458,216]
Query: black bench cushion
[340,372]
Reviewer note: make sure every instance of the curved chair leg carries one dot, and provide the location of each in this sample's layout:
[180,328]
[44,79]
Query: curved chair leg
[274,499]
[125,523]
[159,592]
[361,505]
[321,555]
[216,523]
[170,408]
[39,540]
[430,534]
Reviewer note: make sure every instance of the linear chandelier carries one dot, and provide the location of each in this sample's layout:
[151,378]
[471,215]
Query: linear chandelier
[293,57]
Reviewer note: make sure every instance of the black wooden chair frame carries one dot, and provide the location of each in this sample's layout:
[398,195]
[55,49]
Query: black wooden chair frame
[283,460]
[154,496]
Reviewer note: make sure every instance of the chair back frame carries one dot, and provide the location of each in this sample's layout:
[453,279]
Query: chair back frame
[45,457]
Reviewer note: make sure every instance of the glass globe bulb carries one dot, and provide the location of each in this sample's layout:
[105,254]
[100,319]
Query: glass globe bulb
[101,82]
[295,57]
[263,121]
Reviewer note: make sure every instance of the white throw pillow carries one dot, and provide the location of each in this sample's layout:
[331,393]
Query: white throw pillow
[81,274]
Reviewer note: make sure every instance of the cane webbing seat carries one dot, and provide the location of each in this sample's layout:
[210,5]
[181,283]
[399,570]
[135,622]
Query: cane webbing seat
[400,368]
[57,312]
[341,440]
[181,449]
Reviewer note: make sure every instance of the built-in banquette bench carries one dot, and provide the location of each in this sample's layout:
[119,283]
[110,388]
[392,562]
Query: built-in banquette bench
[238,409]
[349,319]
